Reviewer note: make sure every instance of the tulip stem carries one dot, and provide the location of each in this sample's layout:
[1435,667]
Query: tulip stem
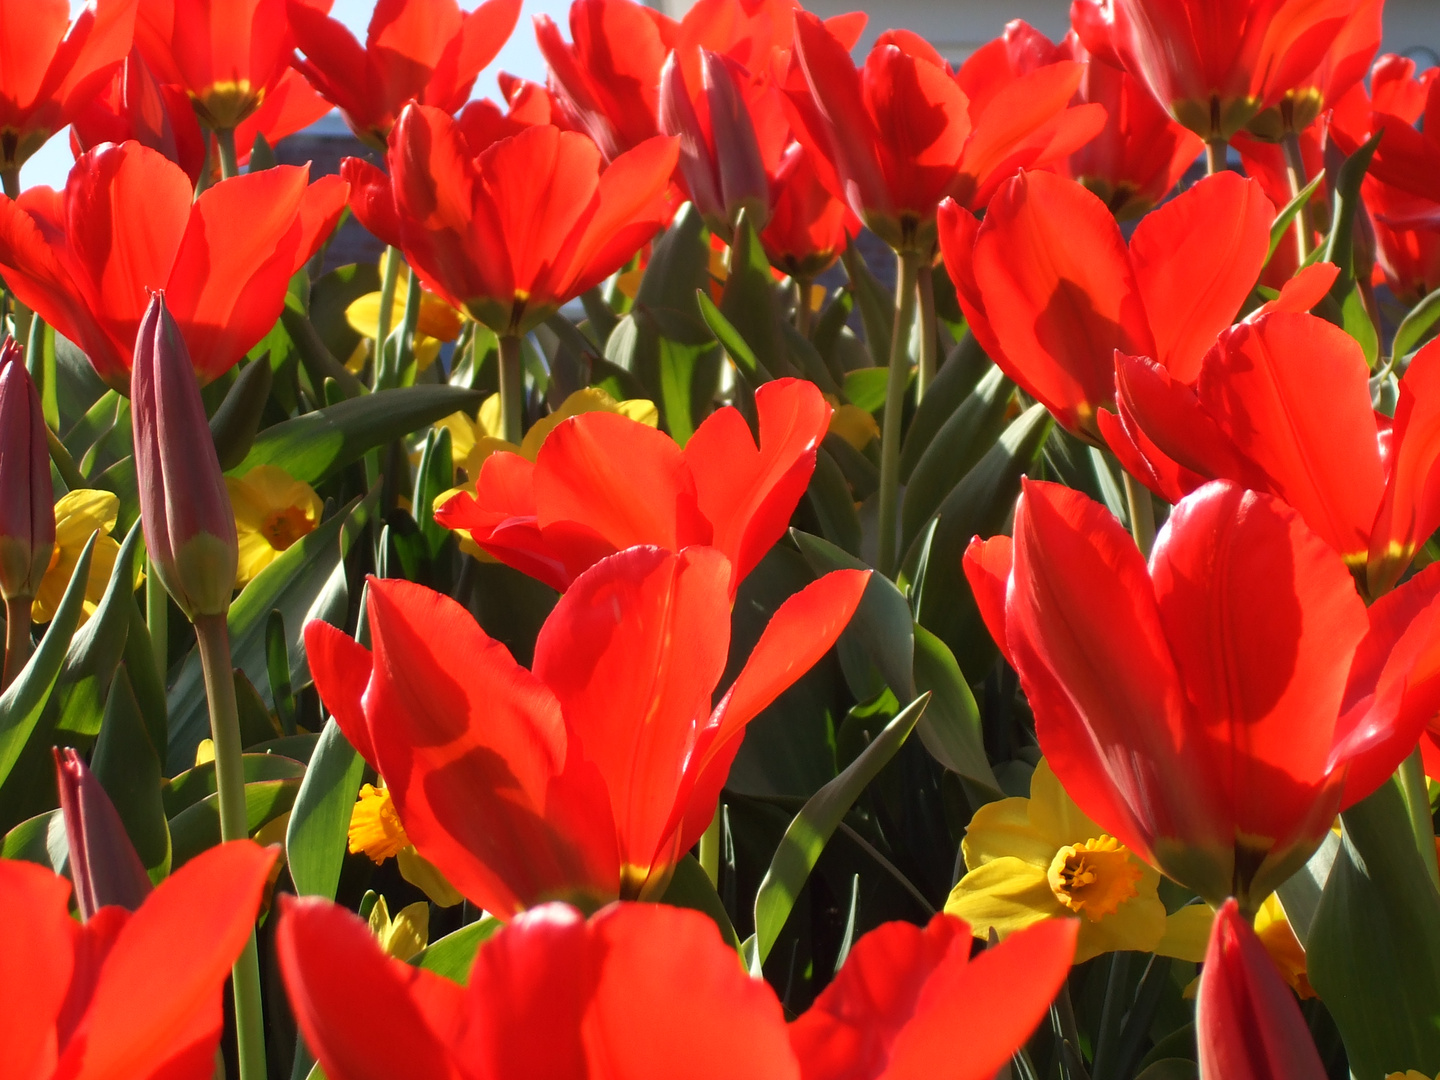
[512,388]
[802,306]
[929,340]
[388,284]
[17,638]
[157,619]
[1215,157]
[229,160]
[1295,175]
[896,383]
[710,850]
[213,636]
[1417,798]
[10,184]
[1142,514]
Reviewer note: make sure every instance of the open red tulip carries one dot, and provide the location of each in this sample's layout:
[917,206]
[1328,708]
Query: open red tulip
[428,51]
[127,222]
[587,777]
[135,105]
[511,230]
[1247,1024]
[1215,710]
[1051,289]
[905,132]
[1283,405]
[1214,64]
[113,998]
[53,67]
[603,482]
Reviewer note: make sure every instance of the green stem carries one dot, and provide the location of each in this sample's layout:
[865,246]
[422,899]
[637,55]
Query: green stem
[1417,799]
[1215,157]
[895,386]
[388,284]
[710,850]
[512,389]
[929,332]
[213,637]
[229,160]
[1112,1012]
[802,306]
[17,638]
[1142,514]
[157,619]
[10,184]
[1295,175]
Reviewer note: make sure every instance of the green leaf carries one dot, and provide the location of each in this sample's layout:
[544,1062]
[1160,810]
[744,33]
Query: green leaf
[1300,893]
[691,888]
[1356,322]
[865,388]
[317,445]
[811,830]
[1423,316]
[1287,216]
[950,728]
[191,786]
[1171,1069]
[435,475]
[127,766]
[877,306]
[454,954]
[196,829]
[679,264]
[748,300]
[1374,949]
[1340,245]
[315,840]
[41,840]
[829,496]
[277,667]
[733,342]
[956,380]
[25,698]
[236,421]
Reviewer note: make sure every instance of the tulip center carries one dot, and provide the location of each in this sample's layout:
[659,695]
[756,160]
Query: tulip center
[283,527]
[375,827]
[1094,878]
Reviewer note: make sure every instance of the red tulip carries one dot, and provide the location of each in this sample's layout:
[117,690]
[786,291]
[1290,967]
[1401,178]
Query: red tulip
[53,67]
[910,1003]
[114,998]
[27,512]
[1342,67]
[103,862]
[587,778]
[809,228]
[290,106]
[1051,289]
[1215,710]
[1247,1025]
[86,259]
[602,483]
[1214,64]
[895,170]
[134,105]
[1283,405]
[511,230]
[428,51]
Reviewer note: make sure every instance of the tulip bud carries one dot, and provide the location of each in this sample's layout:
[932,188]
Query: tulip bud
[185,509]
[1247,1024]
[27,511]
[103,863]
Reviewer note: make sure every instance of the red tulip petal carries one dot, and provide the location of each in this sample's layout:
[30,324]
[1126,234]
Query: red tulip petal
[987,566]
[483,32]
[474,750]
[1056,280]
[1196,259]
[633,652]
[37,955]
[340,984]
[141,1011]
[341,668]
[336,65]
[91,52]
[1141,458]
[1410,508]
[1247,1023]
[371,199]
[958,229]
[1301,292]
[290,105]
[320,209]
[749,493]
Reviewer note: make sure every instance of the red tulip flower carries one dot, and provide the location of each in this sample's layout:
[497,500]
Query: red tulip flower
[1247,1024]
[113,998]
[809,228]
[646,992]
[428,51]
[134,105]
[127,222]
[589,776]
[1214,64]
[511,230]
[603,482]
[905,132]
[1051,289]
[1283,405]
[1216,709]
[52,67]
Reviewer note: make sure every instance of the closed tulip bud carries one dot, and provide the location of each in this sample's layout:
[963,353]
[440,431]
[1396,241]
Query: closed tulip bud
[189,526]
[103,862]
[27,514]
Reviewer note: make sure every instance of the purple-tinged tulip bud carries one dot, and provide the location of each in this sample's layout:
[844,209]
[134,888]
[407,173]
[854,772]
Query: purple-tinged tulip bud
[103,863]
[189,525]
[27,501]
[1247,1023]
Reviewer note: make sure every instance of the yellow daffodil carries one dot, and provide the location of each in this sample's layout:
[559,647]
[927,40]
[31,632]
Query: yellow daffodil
[376,830]
[852,423]
[439,322]
[1191,927]
[78,514]
[1042,858]
[406,934]
[272,511]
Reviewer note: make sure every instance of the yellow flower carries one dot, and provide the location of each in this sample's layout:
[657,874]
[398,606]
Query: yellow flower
[406,934]
[78,514]
[1042,858]
[1409,1074]
[853,424]
[272,511]
[1271,927]
[376,830]
[439,322]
